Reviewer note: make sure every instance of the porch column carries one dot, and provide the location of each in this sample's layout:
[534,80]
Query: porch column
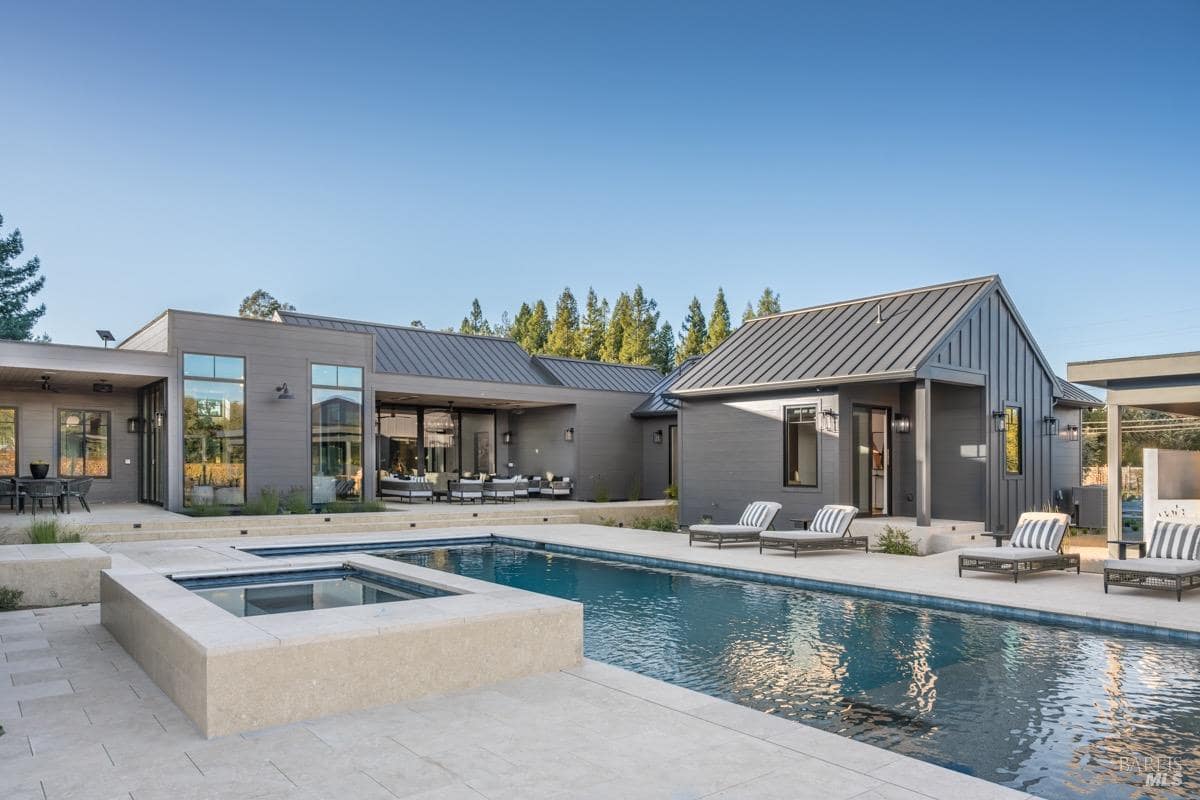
[922,442]
[1114,471]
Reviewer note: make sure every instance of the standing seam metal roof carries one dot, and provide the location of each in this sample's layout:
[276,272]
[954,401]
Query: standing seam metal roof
[1071,394]
[891,333]
[657,404]
[580,374]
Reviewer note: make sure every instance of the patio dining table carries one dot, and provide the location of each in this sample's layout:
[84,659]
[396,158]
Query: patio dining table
[23,480]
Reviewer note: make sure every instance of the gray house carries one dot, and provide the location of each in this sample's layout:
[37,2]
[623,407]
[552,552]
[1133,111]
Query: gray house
[205,408]
[928,404]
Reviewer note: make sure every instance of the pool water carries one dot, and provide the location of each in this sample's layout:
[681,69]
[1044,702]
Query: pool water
[1054,711]
[302,590]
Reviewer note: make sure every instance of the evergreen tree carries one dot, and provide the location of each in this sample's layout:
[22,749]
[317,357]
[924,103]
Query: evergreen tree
[695,333]
[563,339]
[719,326]
[768,303]
[504,326]
[18,285]
[538,329]
[748,314]
[416,323]
[520,325]
[662,350]
[595,324]
[614,338]
[260,304]
[476,323]
[639,336]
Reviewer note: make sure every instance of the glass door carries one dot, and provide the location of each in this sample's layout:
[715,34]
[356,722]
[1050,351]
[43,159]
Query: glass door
[872,461]
[152,429]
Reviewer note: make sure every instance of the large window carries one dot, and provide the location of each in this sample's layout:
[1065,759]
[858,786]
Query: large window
[83,444]
[397,447]
[1014,455]
[214,430]
[8,442]
[800,446]
[337,433]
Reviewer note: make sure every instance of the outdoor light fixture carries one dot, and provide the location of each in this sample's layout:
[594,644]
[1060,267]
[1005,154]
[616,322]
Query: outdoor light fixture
[1049,425]
[106,337]
[569,434]
[507,437]
[102,387]
[658,436]
[831,417]
[1071,432]
[998,421]
[901,423]
[284,392]
[134,424]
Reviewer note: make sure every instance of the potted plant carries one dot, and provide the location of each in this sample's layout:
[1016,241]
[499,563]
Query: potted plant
[39,469]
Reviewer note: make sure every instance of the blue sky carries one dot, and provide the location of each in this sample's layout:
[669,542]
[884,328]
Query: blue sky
[392,162]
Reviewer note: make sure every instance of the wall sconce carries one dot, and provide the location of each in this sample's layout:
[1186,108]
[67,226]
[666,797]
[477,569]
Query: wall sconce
[830,418]
[902,423]
[506,437]
[1071,433]
[658,436]
[569,434]
[134,424]
[284,392]
[1049,425]
[998,421]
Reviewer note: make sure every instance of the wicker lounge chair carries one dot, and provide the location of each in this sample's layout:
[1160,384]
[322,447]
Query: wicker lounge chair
[1172,561]
[1035,546]
[758,517]
[559,487]
[465,489]
[499,490]
[829,530]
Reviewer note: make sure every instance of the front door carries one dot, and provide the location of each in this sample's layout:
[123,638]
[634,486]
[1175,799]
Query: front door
[872,461]
[152,422]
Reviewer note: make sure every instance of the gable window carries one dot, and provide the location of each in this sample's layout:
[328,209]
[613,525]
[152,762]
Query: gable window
[800,446]
[1014,454]
[83,444]
[8,442]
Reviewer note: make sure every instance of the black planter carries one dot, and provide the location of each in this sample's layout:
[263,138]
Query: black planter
[39,471]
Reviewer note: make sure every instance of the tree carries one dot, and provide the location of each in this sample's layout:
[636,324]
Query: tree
[563,339]
[595,324]
[520,324]
[416,323]
[476,323]
[537,330]
[768,303]
[695,333]
[719,326]
[662,349]
[18,285]
[748,314]
[614,337]
[639,335]
[261,304]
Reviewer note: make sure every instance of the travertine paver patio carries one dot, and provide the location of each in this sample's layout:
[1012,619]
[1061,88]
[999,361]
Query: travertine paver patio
[84,721]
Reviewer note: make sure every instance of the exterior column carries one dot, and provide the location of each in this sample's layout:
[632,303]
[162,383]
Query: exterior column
[923,443]
[1114,471]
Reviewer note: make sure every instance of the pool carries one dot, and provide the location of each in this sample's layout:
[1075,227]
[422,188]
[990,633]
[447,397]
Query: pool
[1056,711]
[282,592]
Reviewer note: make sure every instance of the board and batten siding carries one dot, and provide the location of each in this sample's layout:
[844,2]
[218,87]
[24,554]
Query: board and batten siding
[1066,467]
[990,340]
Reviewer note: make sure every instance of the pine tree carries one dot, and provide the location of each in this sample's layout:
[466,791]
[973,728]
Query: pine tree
[768,303]
[563,339]
[695,333]
[748,314]
[662,350]
[618,324]
[520,326]
[18,285]
[643,319]
[538,329]
[595,324]
[476,323]
[719,326]
[504,326]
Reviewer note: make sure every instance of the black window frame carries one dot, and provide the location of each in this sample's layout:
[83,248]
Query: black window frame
[1014,411]
[787,483]
[16,441]
[58,444]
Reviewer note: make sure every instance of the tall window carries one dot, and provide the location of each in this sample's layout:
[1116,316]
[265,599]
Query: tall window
[83,444]
[800,446]
[8,442]
[214,430]
[1014,455]
[337,433]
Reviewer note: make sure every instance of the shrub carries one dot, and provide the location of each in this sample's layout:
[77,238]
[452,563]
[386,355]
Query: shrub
[600,493]
[266,504]
[51,531]
[635,489]
[661,523]
[896,542]
[672,492]
[296,501]
[10,599]
[353,507]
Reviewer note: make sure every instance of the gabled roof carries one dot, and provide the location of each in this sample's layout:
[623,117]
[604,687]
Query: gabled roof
[580,374]
[881,337]
[658,404]
[1068,394]
[405,350]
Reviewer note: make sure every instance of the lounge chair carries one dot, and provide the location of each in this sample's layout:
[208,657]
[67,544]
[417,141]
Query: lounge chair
[520,488]
[406,489]
[559,487]
[465,489]
[500,489]
[758,517]
[1035,546]
[1172,561]
[829,530]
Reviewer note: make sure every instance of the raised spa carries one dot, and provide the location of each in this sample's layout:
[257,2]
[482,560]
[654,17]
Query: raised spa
[249,595]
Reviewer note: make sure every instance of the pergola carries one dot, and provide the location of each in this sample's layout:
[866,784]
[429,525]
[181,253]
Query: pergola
[1168,383]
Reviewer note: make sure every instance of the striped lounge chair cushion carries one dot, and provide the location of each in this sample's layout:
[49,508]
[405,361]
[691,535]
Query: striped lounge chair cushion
[1174,540]
[759,514]
[1038,533]
[832,519]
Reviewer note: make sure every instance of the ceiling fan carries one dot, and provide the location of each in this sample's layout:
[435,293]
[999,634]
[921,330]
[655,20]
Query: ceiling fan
[46,387]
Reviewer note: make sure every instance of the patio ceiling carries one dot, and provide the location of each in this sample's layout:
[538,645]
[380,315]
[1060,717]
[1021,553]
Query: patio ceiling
[1168,382]
[26,379]
[459,401]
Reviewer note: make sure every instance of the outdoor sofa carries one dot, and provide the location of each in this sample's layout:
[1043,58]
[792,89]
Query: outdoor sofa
[829,530]
[500,490]
[758,517]
[406,489]
[1172,561]
[1035,546]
